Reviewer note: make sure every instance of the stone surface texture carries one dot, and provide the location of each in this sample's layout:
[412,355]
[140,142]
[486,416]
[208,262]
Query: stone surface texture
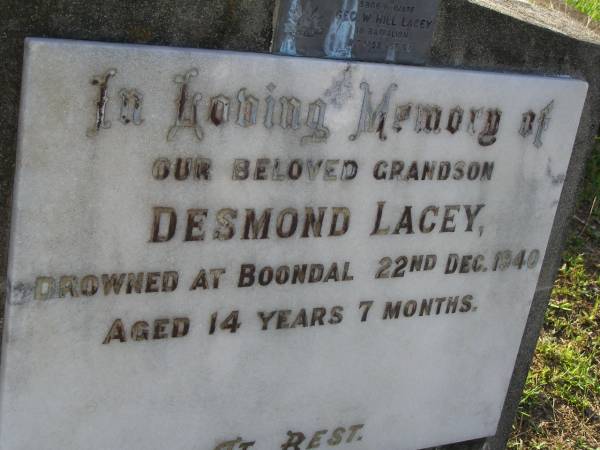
[468,36]
[84,207]
[226,24]
[556,15]
[485,39]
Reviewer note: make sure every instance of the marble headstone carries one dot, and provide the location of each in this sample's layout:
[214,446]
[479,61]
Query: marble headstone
[397,31]
[217,250]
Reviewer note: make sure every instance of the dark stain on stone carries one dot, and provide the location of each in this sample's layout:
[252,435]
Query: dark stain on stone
[555,179]
[21,293]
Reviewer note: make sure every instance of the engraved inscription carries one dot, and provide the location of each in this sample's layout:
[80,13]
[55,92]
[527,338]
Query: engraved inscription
[292,114]
[382,30]
[297,440]
[101,122]
[316,122]
[234,444]
[281,212]
[527,121]
[219,110]
[543,123]
[248,107]
[428,119]
[186,115]
[373,120]
[131,106]
[487,136]
[455,119]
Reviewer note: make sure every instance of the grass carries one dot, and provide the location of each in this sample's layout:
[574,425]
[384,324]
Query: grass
[560,407]
[589,7]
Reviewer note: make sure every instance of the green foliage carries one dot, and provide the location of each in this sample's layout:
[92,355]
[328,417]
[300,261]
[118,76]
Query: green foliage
[569,350]
[565,376]
[560,406]
[589,7]
[591,185]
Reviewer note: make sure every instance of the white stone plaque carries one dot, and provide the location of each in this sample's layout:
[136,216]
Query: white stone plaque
[215,250]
